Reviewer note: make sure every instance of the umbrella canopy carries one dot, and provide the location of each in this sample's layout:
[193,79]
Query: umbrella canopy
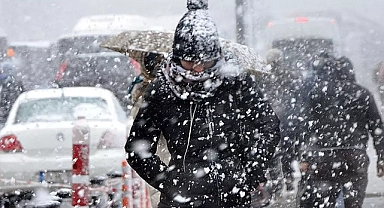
[142,44]
[156,44]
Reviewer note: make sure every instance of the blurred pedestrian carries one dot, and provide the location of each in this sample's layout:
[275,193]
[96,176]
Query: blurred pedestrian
[378,77]
[219,130]
[10,89]
[147,74]
[340,116]
[280,87]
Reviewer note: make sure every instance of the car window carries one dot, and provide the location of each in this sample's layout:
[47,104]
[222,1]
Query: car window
[102,66]
[112,73]
[62,109]
[121,114]
[82,45]
[28,61]
[3,45]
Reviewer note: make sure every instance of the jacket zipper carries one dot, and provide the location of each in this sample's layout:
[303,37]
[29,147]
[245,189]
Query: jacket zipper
[192,116]
[211,127]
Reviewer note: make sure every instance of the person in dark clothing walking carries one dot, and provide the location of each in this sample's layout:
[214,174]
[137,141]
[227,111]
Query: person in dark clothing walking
[219,130]
[340,116]
[10,89]
[281,87]
[378,77]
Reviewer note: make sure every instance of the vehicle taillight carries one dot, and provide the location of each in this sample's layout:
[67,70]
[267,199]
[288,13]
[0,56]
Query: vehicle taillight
[61,71]
[301,19]
[10,143]
[270,24]
[108,141]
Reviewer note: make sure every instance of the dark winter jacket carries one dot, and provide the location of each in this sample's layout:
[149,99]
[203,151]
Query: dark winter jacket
[10,89]
[280,88]
[341,114]
[218,146]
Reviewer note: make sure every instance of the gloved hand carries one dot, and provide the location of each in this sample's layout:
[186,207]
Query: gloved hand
[380,168]
[304,167]
[262,196]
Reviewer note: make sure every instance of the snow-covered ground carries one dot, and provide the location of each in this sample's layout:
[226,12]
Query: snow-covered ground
[375,184]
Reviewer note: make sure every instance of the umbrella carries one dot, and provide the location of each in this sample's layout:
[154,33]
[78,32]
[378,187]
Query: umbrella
[140,45]
[157,44]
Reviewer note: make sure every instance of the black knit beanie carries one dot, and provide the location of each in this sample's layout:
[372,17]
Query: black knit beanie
[196,36]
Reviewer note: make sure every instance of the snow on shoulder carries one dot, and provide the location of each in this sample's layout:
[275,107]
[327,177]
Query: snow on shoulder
[240,59]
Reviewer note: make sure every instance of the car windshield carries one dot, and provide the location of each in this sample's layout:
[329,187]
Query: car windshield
[62,109]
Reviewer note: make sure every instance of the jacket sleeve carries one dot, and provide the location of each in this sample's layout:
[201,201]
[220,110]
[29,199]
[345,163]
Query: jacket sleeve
[376,128]
[142,142]
[261,129]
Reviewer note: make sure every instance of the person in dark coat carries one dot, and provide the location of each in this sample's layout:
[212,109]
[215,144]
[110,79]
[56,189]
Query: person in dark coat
[219,130]
[10,89]
[340,116]
[378,77]
[281,87]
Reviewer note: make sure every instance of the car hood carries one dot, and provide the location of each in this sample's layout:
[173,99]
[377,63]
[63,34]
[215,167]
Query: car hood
[55,138]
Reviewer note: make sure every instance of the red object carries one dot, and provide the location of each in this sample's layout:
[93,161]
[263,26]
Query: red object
[127,186]
[136,66]
[80,163]
[301,19]
[61,71]
[78,193]
[9,143]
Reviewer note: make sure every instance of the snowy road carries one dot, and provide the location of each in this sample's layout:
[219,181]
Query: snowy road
[289,202]
[375,184]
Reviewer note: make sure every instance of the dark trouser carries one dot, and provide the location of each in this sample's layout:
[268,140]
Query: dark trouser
[275,174]
[330,173]
[288,131]
[241,199]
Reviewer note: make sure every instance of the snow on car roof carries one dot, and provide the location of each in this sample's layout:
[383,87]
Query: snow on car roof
[35,44]
[303,19]
[67,92]
[101,54]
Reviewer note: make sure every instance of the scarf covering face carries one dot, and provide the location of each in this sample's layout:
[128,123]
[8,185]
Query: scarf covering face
[196,86]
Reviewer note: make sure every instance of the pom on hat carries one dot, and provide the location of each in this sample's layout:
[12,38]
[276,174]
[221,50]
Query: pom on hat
[197,4]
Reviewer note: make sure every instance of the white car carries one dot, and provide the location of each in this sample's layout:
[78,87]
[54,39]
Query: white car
[37,136]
